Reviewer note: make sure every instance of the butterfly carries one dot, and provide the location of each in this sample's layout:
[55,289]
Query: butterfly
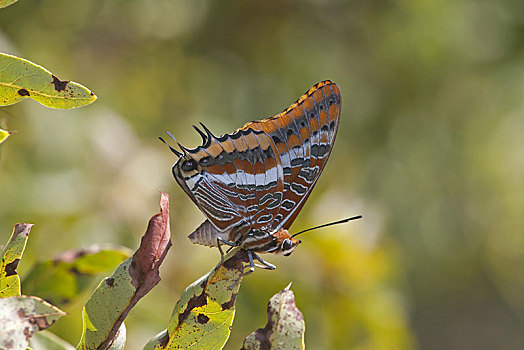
[251,184]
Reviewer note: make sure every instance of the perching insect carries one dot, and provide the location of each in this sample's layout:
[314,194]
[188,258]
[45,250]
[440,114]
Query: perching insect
[252,184]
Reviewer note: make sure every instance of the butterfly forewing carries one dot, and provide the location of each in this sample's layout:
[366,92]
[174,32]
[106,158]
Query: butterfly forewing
[259,177]
[304,135]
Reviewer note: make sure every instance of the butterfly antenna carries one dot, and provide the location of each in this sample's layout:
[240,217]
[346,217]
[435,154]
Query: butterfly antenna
[201,133]
[329,224]
[171,148]
[185,150]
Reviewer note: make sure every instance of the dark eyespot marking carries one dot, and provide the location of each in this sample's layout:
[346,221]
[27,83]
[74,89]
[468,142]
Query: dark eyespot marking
[288,204]
[319,151]
[275,203]
[290,132]
[259,233]
[276,139]
[189,165]
[299,188]
[324,128]
[332,125]
[205,161]
[297,161]
[265,218]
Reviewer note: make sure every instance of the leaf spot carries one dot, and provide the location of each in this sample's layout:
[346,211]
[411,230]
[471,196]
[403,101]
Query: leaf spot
[110,282]
[10,269]
[202,319]
[23,92]
[229,304]
[194,302]
[59,85]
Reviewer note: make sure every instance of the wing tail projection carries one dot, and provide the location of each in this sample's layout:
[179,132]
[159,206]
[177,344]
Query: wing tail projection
[207,234]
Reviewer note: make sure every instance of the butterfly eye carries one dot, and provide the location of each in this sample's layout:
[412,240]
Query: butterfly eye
[287,244]
[189,165]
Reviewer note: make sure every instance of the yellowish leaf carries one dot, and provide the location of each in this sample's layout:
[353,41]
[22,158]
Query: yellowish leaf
[20,78]
[5,3]
[10,257]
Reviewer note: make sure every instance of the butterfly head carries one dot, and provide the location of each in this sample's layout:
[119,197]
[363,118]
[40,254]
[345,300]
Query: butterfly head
[186,166]
[286,243]
[187,173]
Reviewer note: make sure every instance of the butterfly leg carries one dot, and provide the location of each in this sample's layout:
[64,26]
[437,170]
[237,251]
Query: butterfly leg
[251,263]
[221,240]
[265,264]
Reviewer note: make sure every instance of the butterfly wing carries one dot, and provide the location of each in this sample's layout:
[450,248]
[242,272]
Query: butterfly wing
[303,136]
[260,176]
[235,179]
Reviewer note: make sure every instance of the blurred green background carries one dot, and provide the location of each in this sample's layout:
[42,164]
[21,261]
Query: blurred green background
[430,150]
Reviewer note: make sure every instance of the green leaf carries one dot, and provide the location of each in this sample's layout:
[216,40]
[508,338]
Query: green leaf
[20,78]
[4,135]
[64,277]
[46,340]
[285,325]
[203,316]
[11,255]
[104,313]
[21,317]
[5,3]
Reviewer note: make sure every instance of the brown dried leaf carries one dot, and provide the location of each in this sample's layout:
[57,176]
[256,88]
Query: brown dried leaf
[114,298]
[285,325]
[153,249]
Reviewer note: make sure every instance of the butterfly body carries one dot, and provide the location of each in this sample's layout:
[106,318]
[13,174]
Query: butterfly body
[252,184]
[253,240]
